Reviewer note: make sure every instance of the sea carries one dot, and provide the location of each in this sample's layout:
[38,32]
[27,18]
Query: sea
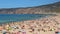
[7,18]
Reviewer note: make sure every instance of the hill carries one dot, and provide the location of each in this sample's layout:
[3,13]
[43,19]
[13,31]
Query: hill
[50,8]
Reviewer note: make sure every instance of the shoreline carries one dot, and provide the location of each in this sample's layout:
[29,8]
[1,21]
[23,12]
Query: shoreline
[27,20]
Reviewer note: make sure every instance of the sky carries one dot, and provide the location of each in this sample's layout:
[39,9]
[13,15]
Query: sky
[24,3]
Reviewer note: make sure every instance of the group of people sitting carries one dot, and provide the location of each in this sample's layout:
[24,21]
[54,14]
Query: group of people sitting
[30,26]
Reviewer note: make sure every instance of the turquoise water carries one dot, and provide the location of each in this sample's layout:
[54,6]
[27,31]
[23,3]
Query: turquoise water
[19,17]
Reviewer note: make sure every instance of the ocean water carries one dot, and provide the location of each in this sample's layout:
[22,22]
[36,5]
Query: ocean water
[5,18]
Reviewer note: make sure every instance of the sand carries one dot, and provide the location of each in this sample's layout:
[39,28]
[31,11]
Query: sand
[47,25]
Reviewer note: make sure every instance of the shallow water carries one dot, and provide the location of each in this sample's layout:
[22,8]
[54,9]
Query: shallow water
[19,17]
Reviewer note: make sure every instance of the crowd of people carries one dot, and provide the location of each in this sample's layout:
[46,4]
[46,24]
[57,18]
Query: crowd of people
[31,26]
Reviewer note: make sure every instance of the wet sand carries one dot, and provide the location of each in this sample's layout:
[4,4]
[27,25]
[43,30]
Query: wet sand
[47,25]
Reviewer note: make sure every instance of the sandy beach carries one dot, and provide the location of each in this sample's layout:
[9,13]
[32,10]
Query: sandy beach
[47,25]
